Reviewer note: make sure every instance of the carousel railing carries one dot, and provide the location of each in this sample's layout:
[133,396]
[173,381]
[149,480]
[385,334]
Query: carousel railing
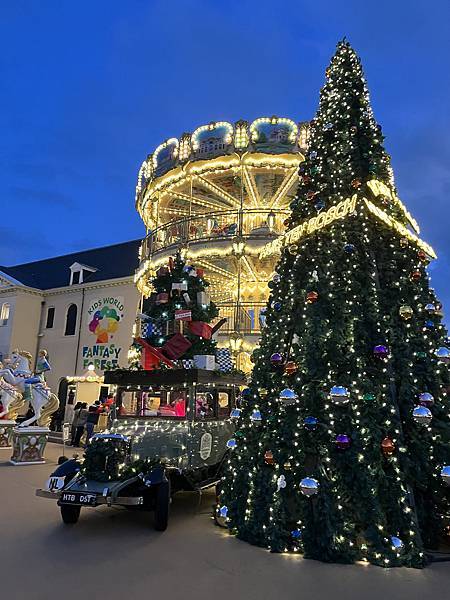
[214,226]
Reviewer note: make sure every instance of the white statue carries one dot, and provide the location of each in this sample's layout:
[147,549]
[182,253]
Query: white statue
[33,388]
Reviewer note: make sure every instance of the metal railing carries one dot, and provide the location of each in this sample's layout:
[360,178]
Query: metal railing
[214,226]
[243,317]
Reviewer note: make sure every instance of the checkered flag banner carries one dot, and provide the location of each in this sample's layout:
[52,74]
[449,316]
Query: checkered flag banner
[188,363]
[150,328]
[223,360]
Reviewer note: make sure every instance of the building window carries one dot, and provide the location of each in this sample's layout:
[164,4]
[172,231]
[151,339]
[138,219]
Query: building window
[77,277]
[4,313]
[50,317]
[71,320]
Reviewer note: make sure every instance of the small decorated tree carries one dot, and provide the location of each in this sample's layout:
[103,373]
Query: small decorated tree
[343,445]
[175,319]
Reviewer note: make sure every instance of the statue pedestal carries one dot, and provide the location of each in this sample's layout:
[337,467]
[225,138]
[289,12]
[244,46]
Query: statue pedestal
[29,445]
[6,433]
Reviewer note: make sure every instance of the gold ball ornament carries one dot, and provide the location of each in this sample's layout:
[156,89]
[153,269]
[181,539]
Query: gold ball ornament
[268,457]
[356,184]
[406,312]
[403,242]
[290,367]
[287,466]
[262,392]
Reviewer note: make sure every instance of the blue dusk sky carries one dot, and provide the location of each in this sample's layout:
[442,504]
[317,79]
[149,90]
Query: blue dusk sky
[89,88]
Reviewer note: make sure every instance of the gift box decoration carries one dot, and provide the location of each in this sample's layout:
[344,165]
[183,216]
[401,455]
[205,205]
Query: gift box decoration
[151,357]
[183,315]
[162,272]
[188,363]
[162,298]
[176,346]
[203,298]
[201,329]
[182,287]
[150,328]
[172,327]
[224,360]
[205,361]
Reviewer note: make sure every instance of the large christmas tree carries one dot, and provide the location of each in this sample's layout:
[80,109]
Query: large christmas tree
[343,443]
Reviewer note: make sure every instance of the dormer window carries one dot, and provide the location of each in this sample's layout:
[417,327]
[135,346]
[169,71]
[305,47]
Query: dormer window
[79,273]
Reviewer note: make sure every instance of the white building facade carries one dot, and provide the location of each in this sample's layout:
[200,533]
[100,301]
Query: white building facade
[81,308]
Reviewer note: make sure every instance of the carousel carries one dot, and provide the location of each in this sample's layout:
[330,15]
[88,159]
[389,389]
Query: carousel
[219,195]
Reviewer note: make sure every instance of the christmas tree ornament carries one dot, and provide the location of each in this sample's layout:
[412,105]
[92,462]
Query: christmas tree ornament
[443,354]
[235,413]
[309,486]
[353,129]
[381,351]
[342,441]
[310,423]
[430,308]
[306,179]
[339,394]
[356,183]
[313,170]
[262,392]
[287,466]
[415,275]
[315,276]
[404,242]
[276,359]
[426,399]
[223,511]
[256,417]
[268,457]
[313,155]
[277,306]
[406,312]
[445,474]
[290,367]
[422,414]
[276,278]
[311,194]
[231,444]
[349,248]
[288,396]
[369,397]
[397,543]
[312,297]
[429,324]
[293,249]
[246,393]
[319,204]
[421,255]
[296,534]
[281,483]
[387,446]
[328,126]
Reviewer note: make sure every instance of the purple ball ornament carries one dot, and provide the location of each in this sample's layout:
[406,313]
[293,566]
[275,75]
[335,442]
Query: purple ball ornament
[276,359]
[381,351]
[342,441]
[426,399]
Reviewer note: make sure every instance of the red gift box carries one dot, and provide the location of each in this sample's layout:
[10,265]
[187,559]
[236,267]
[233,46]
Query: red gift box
[176,346]
[162,298]
[200,272]
[152,357]
[200,328]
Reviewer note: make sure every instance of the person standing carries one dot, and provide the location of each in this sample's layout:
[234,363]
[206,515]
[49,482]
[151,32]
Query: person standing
[79,422]
[92,419]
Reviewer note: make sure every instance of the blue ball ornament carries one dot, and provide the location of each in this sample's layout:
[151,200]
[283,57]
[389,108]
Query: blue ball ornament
[310,423]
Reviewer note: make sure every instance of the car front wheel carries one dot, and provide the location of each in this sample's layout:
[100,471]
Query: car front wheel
[70,514]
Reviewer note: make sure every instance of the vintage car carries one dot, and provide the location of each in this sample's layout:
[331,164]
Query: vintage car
[171,430]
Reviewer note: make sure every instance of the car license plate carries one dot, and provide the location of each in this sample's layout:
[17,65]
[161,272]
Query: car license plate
[77,498]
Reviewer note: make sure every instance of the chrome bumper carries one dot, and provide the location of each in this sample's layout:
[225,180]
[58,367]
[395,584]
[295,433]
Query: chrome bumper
[108,500]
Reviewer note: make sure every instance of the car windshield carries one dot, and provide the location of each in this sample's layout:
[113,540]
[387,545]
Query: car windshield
[152,402]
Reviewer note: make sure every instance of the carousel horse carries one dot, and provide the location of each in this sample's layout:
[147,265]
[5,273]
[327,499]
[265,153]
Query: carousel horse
[11,401]
[43,402]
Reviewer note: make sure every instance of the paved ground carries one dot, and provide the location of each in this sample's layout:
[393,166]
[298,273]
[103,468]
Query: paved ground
[115,554]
